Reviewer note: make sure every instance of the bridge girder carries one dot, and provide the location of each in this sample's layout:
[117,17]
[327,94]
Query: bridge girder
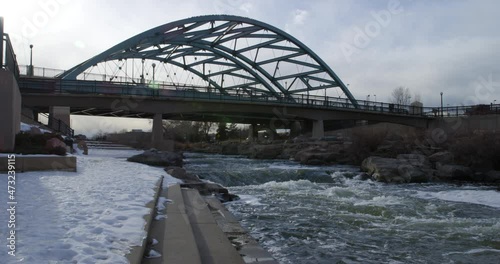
[241,45]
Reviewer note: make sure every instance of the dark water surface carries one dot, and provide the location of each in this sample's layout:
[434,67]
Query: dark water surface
[308,214]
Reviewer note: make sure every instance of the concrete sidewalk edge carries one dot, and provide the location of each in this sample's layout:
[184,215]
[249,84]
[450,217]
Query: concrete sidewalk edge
[137,252]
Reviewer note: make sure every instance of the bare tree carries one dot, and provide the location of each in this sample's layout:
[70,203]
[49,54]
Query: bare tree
[401,96]
[417,97]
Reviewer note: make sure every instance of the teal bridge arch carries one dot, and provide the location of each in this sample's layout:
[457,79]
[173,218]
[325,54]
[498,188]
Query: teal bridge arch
[227,53]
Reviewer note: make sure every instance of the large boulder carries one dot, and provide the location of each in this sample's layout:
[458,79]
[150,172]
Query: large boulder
[450,172]
[395,170]
[54,143]
[320,155]
[55,146]
[35,131]
[154,157]
[207,188]
[82,145]
[229,148]
[417,160]
[492,176]
[181,174]
[443,157]
[266,151]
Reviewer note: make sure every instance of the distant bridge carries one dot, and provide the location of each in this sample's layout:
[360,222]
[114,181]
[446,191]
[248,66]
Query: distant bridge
[210,68]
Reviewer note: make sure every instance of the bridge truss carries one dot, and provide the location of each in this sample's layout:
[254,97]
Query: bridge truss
[226,54]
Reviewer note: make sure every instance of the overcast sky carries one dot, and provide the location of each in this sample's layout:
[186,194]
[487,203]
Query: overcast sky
[373,45]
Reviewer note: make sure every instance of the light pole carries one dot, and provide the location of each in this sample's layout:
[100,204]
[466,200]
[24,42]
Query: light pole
[154,65]
[375,97]
[142,75]
[30,68]
[441,104]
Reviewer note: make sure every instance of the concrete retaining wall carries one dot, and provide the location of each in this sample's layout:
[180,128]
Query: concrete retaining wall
[10,110]
[40,163]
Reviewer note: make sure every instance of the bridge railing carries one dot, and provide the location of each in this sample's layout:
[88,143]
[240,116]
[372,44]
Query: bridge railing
[210,93]
[8,58]
[204,93]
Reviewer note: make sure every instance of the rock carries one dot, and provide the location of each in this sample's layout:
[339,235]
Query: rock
[320,155]
[229,148]
[181,174]
[417,160]
[395,170]
[206,188]
[154,157]
[54,143]
[454,172]
[81,144]
[443,157]
[35,131]
[265,151]
[492,176]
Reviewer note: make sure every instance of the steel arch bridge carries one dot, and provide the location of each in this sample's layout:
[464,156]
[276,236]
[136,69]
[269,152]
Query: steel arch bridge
[226,53]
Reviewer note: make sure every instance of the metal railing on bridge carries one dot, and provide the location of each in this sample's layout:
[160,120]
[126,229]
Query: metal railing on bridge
[49,84]
[155,90]
[8,59]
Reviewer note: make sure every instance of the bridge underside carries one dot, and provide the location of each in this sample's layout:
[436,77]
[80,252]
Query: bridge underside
[231,112]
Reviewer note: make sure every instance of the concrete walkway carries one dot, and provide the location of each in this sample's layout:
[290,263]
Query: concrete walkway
[201,230]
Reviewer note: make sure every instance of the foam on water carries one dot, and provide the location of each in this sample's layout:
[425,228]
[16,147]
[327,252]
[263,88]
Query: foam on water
[482,197]
[300,216]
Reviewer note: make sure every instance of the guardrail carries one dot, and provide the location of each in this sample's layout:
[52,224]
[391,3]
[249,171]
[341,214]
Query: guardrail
[54,124]
[41,85]
[8,59]
[34,85]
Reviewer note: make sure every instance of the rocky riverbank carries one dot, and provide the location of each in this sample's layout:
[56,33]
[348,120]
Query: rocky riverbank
[173,161]
[393,155]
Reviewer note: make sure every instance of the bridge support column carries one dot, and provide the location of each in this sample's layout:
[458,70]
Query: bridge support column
[295,129]
[157,135]
[59,112]
[253,132]
[10,110]
[318,129]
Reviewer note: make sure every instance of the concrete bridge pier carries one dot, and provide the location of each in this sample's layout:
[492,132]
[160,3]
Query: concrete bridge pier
[318,129]
[295,129]
[253,132]
[59,112]
[157,132]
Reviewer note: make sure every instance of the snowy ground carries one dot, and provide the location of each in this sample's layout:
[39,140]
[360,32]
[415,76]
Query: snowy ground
[92,216]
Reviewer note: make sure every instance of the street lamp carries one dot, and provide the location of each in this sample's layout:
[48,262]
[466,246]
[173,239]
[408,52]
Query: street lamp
[142,75]
[375,97]
[30,68]
[154,65]
[441,104]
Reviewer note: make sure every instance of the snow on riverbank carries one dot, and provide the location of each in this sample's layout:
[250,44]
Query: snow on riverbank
[91,216]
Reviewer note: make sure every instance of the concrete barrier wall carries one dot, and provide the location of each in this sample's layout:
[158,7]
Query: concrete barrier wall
[40,163]
[10,110]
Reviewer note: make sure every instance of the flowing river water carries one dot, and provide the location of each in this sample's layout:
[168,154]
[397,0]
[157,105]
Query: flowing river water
[309,214]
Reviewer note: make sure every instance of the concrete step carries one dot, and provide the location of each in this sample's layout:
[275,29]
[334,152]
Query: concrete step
[179,241]
[248,248]
[199,229]
[213,245]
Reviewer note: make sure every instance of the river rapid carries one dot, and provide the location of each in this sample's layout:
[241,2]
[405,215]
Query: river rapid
[328,214]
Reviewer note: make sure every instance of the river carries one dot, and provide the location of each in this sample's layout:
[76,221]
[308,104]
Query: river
[309,214]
